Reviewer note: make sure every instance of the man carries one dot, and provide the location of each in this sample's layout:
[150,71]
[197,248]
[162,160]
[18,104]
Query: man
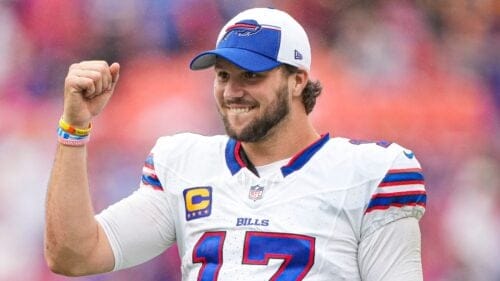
[272,200]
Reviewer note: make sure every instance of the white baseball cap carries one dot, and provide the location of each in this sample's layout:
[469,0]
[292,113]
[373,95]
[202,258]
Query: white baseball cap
[259,39]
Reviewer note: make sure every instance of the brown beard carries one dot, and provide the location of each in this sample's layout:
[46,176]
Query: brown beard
[259,128]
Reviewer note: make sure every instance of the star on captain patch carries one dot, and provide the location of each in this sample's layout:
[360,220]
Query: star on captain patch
[256,192]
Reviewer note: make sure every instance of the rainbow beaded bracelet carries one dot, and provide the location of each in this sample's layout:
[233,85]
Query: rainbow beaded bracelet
[71,139]
[72,130]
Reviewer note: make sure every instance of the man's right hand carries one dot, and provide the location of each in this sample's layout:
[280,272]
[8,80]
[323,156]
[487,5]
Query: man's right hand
[75,243]
[87,89]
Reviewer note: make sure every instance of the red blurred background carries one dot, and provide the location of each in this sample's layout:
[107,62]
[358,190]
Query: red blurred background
[425,74]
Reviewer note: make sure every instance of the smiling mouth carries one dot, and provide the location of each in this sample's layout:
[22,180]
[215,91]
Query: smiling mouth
[240,110]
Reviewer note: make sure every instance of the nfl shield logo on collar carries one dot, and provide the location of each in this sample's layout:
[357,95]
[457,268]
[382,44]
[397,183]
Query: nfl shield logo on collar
[256,192]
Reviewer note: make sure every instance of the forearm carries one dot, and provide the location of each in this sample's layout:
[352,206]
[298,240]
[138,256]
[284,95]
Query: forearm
[72,234]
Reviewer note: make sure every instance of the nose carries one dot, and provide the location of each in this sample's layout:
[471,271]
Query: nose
[233,89]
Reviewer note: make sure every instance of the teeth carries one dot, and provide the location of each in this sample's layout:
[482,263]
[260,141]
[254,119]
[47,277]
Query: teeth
[240,109]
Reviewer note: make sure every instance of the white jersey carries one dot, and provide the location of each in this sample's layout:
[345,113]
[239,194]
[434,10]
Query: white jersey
[303,222]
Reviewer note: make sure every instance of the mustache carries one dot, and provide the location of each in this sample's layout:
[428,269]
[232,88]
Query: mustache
[239,101]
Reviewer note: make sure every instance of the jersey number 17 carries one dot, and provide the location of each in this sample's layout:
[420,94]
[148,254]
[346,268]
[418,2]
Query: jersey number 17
[296,251]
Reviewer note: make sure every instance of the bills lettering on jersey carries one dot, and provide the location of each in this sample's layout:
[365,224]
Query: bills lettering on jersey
[252,221]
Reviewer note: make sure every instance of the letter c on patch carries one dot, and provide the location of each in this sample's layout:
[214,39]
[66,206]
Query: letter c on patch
[198,202]
[197,199]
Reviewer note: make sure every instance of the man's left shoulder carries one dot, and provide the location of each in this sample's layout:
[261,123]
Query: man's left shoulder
[368,151]
[370,159]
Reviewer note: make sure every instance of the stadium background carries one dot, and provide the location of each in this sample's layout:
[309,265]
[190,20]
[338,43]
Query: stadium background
[422,73]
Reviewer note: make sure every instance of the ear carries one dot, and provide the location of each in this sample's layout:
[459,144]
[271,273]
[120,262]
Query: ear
[299,82]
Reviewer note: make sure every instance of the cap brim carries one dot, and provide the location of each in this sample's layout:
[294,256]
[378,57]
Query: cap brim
[242,58]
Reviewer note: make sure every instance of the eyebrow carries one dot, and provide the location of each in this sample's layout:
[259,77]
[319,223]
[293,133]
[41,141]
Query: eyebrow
[218,65]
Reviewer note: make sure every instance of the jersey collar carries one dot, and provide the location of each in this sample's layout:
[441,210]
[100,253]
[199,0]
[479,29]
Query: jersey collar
[235,156]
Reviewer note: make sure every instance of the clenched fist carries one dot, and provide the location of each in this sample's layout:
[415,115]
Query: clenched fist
[87,89]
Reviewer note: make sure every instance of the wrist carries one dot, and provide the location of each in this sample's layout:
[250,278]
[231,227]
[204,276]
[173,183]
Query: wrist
[73,129]
[74,121]
[70,135]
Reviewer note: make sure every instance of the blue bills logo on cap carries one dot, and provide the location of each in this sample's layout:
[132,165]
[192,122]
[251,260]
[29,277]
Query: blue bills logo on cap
[258,40]
[244,28]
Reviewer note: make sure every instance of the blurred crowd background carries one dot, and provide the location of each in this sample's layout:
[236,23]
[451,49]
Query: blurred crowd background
[425,74]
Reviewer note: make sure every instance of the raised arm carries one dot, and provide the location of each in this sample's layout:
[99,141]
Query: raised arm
[74,242]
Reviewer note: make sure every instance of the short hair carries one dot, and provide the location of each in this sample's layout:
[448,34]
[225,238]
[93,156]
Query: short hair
[311,91]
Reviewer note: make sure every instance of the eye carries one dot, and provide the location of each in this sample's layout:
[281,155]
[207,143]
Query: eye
[222,76]
[250,75]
